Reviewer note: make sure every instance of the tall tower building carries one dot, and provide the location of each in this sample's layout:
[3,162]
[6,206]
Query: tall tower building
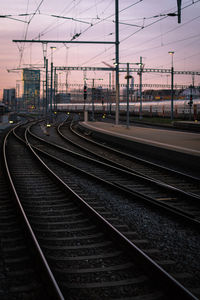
[31,79]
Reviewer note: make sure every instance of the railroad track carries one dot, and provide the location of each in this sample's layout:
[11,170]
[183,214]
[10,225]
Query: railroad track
[74,179]
[188,186]
[181,202]
[180,180]
[20,279]
[89,258]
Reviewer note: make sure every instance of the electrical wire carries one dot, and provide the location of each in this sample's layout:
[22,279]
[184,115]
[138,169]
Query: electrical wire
[148,25]
[106,18]
[161,19]
[152,23]
[52,26]
[163,34]
[21,49]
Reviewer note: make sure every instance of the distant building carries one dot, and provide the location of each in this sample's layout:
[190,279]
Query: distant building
[195,92]
[31,79]
[9,97]
[63,98]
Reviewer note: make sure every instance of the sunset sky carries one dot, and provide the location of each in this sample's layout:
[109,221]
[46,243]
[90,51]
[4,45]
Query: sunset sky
[145,30]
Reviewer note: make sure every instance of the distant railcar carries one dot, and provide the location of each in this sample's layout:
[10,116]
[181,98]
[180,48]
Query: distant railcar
[181,108]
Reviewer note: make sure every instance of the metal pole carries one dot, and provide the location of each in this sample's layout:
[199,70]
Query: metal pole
[54,91]
[117,60]
[191,101]
[109,81]
[172,91]
[92,99]
[140,74]
[127,112]
[109,94]
[172,86]
[46,104]
[51,92]
[43,104]
[84,98]
[132,88]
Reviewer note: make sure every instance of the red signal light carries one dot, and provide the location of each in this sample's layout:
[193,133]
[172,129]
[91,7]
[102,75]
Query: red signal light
[85,92]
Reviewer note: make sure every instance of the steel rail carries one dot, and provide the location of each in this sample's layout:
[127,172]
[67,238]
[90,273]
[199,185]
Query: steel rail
[189,177]
[149,200]
[51,284]
[174,288]
[118,166]
[176,211]
[197,197]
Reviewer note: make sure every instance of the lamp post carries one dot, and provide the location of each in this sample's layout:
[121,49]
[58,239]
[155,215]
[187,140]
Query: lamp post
[172,85]
[52,48]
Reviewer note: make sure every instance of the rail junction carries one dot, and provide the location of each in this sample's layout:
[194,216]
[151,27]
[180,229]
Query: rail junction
[98,221]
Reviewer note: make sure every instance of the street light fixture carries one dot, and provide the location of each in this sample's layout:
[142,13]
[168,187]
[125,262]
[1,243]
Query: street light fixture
[172,85]
[172,54]
[52,48]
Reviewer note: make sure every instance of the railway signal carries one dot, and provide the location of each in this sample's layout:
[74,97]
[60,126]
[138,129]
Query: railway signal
[85,92]
[191,100]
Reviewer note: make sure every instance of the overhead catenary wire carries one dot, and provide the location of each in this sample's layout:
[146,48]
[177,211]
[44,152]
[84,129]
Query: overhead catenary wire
[148,25]
[26,31]
[52,26]
[108,49]
[78,34]
[161,19]
[163,34]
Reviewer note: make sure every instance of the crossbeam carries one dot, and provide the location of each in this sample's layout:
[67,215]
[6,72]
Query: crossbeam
[62,42]
[144,70]
[122,85]
[84,69]
[148,70]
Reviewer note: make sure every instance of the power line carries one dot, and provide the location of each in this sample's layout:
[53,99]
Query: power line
[169,31]
[11,17]
[106,18]
[21,49]
[73,19]
[49,28]
[37,9]
[143,27]
[148,25]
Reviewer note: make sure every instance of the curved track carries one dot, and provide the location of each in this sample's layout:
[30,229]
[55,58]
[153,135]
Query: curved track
[74,179]
[89,258]
[171,198]
[21,276]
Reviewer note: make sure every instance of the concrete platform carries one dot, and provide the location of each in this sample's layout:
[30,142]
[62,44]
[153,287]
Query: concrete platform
[172,148]
[185,142]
